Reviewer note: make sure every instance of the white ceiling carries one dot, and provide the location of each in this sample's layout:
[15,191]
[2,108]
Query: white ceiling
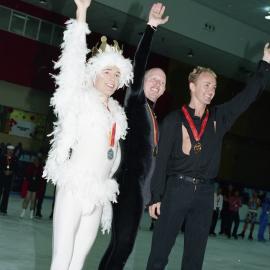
[228,51]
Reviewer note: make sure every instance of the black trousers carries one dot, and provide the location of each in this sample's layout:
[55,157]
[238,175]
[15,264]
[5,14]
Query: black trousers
[126,218]
[225,221]
[39,201]
[182,202]
[214,220]
[234,218]
[5,187]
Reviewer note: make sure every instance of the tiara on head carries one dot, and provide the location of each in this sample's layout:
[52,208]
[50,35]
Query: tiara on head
[105,47]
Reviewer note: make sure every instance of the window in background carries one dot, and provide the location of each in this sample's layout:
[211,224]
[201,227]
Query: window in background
[18,22]
[32,27]
[4,18]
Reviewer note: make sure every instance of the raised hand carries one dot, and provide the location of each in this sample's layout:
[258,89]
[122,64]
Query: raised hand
[156,15]
[82,6]
[266,52]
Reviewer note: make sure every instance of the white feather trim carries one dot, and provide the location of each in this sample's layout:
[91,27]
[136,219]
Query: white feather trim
[109,58]
[83,125]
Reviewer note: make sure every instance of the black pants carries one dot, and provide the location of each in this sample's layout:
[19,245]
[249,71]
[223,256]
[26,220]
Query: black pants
[214,220]
[182,202]
[234,217]
[126,218]
[225,221]
[39,201]
[5,187]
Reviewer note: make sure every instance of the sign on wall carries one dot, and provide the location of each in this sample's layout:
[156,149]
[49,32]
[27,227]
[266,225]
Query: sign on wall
[22,123]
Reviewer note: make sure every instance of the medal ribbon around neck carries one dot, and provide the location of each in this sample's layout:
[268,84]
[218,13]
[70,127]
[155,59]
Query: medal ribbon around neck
[8,162]
[110,153]
[197,136]
[112,135]
[155,125]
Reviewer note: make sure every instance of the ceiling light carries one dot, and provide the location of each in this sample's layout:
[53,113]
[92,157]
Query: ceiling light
[114,26]
[190,54]
[267,17]
[43,2]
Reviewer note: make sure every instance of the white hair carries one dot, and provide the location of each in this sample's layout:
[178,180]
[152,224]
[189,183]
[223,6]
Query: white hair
[109,58]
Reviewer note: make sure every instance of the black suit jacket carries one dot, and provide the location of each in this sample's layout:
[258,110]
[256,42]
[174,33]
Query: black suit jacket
[137,149]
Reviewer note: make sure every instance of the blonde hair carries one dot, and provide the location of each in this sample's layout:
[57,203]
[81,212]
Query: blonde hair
[196,72]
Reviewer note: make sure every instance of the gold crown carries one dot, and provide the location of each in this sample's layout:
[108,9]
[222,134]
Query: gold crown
[102,47]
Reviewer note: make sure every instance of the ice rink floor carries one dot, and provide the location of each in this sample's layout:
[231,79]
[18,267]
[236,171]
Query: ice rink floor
[26,245]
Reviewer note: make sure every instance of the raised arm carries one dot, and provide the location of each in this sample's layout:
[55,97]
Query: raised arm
[82,6]
[228,112]
[69,82]
[155,19]
[71,63]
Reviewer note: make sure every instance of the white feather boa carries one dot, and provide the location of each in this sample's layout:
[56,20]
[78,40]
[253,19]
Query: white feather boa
[83,125]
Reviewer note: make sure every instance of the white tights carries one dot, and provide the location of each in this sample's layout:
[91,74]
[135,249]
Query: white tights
[73,233]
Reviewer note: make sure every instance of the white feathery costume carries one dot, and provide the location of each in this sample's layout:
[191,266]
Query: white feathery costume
[77,162]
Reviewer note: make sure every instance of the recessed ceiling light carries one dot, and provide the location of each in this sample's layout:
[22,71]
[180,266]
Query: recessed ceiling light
[190,54]
[114,26]
[267,17]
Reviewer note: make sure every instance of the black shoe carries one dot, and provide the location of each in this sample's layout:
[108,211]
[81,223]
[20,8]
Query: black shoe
[213,234]
[3,213]
[250,237]
[262,240]
[235,236]
[38,215]
[241,235]
[51,216]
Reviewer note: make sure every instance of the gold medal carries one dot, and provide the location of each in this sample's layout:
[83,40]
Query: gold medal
[197,147]
[197,135]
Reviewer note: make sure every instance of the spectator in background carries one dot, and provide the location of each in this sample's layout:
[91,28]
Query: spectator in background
[53,203]
[31,183]
[224,215]
[40,191]
[3,149]
[18,150]
[8,165]
[234,205]
[253,205]
[218,202]
[264,219]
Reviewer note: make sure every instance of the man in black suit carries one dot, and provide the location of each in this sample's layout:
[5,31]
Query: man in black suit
[139,149]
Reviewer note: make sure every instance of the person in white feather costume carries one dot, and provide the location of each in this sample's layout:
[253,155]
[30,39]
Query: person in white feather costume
[85,149]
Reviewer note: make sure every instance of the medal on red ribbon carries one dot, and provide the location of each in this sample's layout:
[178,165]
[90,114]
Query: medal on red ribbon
[155,129]
[8,162]
[197,147]
[110,153]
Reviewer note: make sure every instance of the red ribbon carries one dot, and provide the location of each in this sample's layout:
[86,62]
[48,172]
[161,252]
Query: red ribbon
[112,135]
[155,125]
[197,136]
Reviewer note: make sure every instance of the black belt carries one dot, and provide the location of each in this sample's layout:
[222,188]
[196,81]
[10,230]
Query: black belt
[194,180]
